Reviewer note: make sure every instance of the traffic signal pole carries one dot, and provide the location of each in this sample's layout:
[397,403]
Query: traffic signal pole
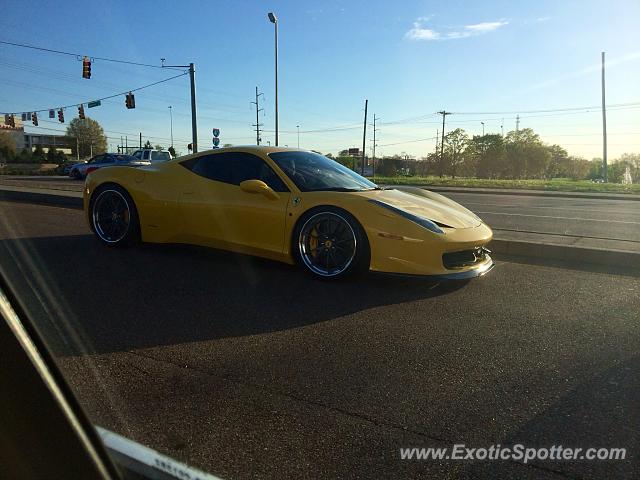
[194,122]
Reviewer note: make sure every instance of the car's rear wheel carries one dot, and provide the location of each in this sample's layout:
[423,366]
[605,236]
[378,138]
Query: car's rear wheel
[330,243]
[114,217]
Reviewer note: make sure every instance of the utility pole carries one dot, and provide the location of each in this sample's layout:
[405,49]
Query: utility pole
[444,114]
[364,136]
[126,145]
[482,128]
[78,149]
[517,123]
[604,127]
[373,160]
[258,110]
[141,141]
[502,127]
[298,127]
[194,122]
[437,141]
[273,19]
[171,123]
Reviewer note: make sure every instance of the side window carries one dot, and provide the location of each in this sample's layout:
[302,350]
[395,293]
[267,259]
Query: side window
[235,168]
[250,167]
[138,155]
[107,159]
[213,167]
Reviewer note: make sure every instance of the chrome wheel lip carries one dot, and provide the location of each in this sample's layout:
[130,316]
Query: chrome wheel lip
[96,224]
[304,255]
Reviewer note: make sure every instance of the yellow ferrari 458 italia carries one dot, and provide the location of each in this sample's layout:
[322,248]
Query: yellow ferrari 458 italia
[290,205]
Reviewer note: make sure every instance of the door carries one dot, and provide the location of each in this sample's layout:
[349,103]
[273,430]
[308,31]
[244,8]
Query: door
[216,208]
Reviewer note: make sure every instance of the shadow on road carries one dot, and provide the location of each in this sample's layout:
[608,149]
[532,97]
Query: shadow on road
[122,299]
[602,412]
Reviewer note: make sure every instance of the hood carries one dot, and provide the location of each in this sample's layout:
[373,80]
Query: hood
[448,214]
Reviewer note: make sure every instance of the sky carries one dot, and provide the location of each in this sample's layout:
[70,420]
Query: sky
[484,61]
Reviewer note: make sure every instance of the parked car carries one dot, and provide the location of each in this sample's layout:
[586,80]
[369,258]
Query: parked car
[152,155]
[81,170]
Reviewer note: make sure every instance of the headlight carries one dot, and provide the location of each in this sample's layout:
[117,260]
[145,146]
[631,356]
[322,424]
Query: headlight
[423,222]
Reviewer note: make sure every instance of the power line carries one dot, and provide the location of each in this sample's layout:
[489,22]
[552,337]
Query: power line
[548,110]
[102,98]
[78,55]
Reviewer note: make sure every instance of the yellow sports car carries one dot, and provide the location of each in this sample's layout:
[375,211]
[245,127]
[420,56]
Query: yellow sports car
[290,205]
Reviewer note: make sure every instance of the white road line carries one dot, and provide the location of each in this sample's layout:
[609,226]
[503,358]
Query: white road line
[559,218]
[544,208]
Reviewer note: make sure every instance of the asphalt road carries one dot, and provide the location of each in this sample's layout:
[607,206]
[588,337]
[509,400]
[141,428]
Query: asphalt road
[584,217]
[250,369]
[565,216]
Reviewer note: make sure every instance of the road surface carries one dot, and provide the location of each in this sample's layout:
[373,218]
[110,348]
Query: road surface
[563,216]
[250,369]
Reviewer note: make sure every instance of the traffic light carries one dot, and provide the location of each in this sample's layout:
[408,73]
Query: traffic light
[81,112]
[52,113]
[10,121]
[61,116]
[34,119]
[86,67]
[130,101]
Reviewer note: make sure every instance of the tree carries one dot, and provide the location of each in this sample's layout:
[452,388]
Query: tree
[51,155]
[38,155]
[7,148]
[158,148]
[527,156]
[487,154]
[148,144]
[455,143]
[577,168]
[90,136]
[558,162]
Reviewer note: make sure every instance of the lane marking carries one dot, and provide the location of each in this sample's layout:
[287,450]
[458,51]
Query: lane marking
[545,208]
[559,218]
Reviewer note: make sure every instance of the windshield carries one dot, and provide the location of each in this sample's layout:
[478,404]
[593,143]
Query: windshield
[160,156]
[313,172]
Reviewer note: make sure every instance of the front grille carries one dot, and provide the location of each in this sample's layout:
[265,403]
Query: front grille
[464,258]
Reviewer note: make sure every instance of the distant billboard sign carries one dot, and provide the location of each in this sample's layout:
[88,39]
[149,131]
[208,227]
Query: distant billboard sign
[354,151]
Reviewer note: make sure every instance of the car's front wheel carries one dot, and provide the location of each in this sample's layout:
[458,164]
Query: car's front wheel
[114,217]
[330,243]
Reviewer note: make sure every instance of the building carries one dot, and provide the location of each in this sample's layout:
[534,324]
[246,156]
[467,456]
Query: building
[27,140]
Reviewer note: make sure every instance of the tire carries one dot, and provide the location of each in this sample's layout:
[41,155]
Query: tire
[330,243]
[114,217]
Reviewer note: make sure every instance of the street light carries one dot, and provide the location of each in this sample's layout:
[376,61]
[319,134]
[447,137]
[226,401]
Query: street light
[171,116]
[298,127]
[482,128]
[273,19]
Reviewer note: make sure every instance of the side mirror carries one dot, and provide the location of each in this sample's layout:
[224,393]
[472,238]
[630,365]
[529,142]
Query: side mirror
[258,186]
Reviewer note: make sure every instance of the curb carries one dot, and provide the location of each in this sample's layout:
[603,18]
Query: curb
[580,255]
[41,198]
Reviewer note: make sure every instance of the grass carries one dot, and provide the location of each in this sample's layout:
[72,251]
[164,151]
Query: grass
[556,184]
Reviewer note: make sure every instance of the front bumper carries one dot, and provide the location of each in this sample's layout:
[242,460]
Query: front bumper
[425,254]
